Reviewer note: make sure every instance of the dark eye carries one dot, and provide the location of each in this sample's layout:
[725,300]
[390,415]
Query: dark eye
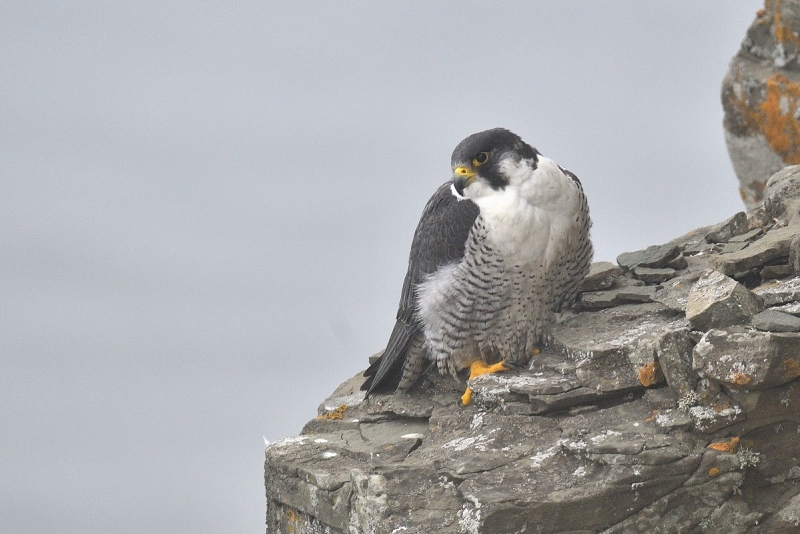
[481,158]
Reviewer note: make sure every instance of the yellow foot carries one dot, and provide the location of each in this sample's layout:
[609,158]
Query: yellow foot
[535,351]
[479,368]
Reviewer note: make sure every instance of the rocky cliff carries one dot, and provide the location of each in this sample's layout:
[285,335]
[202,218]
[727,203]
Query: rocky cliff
[666,401]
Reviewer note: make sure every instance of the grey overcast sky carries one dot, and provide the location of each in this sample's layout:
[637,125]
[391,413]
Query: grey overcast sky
[206,210]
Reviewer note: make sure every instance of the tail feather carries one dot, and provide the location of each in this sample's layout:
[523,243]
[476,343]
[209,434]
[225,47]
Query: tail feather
[384,373]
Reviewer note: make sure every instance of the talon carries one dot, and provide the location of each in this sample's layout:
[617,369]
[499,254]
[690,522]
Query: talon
[478,368]
[466,398]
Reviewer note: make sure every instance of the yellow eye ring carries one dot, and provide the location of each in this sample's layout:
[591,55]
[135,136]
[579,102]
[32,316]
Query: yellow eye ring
[480,159]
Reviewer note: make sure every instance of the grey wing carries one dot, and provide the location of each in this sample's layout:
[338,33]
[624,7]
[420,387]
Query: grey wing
[439,239]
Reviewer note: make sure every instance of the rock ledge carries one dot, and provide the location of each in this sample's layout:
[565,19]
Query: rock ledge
[665,401]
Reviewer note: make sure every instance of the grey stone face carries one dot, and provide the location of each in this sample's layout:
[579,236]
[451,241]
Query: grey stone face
[601,276]
[759,97]
[749,359]
[717,301]
[776,321]
[655,256]
[782,194]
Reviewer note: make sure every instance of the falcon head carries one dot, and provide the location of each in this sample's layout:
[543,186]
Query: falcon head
[487,162]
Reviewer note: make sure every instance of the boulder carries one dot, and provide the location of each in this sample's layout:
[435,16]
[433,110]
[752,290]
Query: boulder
[760,95]
[717,301]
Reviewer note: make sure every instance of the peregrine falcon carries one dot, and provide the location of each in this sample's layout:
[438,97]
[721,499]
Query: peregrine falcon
[499,249]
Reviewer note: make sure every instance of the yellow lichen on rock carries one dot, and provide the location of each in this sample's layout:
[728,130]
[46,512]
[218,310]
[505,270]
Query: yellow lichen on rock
[741,379]
[729,446]
[650,374]
[783,34]
[334,414]
[776,117]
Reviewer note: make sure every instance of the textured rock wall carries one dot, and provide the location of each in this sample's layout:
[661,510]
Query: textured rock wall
[760,95]
[667,401]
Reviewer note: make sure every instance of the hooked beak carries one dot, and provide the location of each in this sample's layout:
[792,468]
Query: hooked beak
[462,177]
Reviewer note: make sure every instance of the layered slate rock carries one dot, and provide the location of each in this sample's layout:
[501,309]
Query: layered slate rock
[638,414]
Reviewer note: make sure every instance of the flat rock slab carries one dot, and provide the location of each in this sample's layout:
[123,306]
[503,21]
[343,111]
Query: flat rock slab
[597,300]
[616,349]
[740,358]
[779,291]
[773,245]
[655,256]
[792,308]
[776,321]
[601,276]
[653,276]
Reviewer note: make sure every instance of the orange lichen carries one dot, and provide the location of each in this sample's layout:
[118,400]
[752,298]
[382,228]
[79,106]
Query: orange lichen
[719,407]
[791,367]
[291,522]
[714,471]
[725,446]
[783,34]
[650,374]
[335,414]
[741,379]
[652,416]
[776,116]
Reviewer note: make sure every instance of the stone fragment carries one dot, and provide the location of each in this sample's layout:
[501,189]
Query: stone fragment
[698,248]
[601,276]
[616,348]
[675,293]
[678,263]
[654,256]
[775,321]
[636,294]
[671,419]
[734,246]
[792,308]
[774,245]
[674,354]
[749,359]
[596,300]
[747,236]
[773,272]
[715,416]
[722,232]
[782,194]
[626,281]
[717,301]
[653,276]
[779,291]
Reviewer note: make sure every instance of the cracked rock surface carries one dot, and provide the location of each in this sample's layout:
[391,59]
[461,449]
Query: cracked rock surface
[644,412]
